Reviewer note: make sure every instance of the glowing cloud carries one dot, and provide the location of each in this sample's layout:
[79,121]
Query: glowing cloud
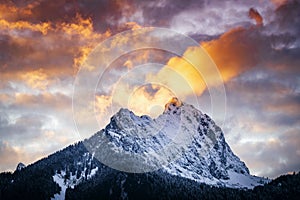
[279,2]
[234,52]
[36,79]
[254,14]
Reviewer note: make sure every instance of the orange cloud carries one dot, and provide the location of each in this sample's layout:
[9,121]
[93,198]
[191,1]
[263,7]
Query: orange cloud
[21,25]
[186,71]
[59,50]
[189,74]
[11,12]
[80,26]
[279,2]
[149,99]
[102,103]
[234,52]
[132,25]
[36,79]
[254,14]
[136,58]
[83,29]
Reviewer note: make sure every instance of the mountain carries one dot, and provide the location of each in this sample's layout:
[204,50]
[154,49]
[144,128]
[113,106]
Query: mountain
[182,153]
[20,166]
[183,134]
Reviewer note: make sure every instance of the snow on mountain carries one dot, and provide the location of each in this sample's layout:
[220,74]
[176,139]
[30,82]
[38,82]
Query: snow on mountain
[66,179]
[182,134]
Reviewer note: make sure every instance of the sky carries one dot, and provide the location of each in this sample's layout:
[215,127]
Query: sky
[255,46]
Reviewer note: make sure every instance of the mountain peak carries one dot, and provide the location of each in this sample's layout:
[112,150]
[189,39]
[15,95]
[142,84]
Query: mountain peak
[173,103]
[20,166]
[182,141]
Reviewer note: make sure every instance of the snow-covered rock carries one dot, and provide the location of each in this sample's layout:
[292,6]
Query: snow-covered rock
[181,141]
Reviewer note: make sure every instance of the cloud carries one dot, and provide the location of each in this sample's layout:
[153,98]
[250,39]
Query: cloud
[55,48]
[269,100]
[181,75]
[9,156]
[254,14]
[215,17]
[279,3]
[274,156]
[262,113]
[288,102]
[287,20]
[150,99]
[236,51]
[259,65]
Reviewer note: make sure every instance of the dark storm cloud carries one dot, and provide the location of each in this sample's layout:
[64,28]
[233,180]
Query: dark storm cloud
[286,110]
[269,75]
[42,44]
[285,119]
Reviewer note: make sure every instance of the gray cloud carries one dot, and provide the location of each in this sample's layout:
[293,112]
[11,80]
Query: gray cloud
[32,126]
[275,156]
[8,156]
[24,128]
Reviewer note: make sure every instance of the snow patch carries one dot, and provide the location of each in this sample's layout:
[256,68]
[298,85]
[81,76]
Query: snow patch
[238,180]
[72,181]
[59,179]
